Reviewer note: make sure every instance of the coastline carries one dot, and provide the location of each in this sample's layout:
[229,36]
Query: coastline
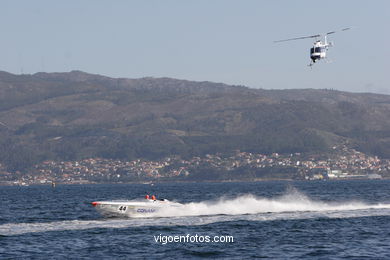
[188,181]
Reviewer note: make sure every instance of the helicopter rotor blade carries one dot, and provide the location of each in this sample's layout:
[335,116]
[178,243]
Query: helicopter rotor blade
[299,38]
[312,36]
[342,30]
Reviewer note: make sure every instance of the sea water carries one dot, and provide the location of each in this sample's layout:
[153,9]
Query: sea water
[274,219]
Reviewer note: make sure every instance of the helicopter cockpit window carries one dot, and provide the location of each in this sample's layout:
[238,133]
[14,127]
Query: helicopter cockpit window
[317,49]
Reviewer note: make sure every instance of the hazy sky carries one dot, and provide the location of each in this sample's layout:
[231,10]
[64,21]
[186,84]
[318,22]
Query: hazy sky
[215,40]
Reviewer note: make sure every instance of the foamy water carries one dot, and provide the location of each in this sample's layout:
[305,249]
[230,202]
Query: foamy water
[294,201]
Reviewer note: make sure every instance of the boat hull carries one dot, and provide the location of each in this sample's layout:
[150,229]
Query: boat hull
[129,208]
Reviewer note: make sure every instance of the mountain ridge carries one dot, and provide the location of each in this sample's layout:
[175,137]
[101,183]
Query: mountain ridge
[74,115]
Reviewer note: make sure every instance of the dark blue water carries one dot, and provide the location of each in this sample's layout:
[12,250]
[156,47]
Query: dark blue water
[301,220]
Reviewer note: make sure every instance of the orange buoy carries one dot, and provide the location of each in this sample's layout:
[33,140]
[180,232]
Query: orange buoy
[153,197]
[147,197]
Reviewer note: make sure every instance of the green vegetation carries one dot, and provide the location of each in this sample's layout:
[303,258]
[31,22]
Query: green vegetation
[72,116]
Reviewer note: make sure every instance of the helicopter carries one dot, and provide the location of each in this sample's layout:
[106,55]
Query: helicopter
[318,51]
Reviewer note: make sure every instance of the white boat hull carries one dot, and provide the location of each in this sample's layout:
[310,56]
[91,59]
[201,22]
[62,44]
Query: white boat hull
[147,208]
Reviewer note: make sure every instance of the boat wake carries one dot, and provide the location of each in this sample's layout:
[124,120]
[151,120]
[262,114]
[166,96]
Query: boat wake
[293,201]
[293,205]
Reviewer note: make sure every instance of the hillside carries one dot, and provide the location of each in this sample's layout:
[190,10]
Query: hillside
[75,115]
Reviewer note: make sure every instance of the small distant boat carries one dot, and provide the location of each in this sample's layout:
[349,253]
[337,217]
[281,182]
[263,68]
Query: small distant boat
[135,208]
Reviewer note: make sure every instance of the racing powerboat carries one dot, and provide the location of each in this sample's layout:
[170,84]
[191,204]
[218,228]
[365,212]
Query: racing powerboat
[135,208]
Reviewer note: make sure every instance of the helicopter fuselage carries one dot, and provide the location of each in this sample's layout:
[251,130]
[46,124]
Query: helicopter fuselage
[318,51]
